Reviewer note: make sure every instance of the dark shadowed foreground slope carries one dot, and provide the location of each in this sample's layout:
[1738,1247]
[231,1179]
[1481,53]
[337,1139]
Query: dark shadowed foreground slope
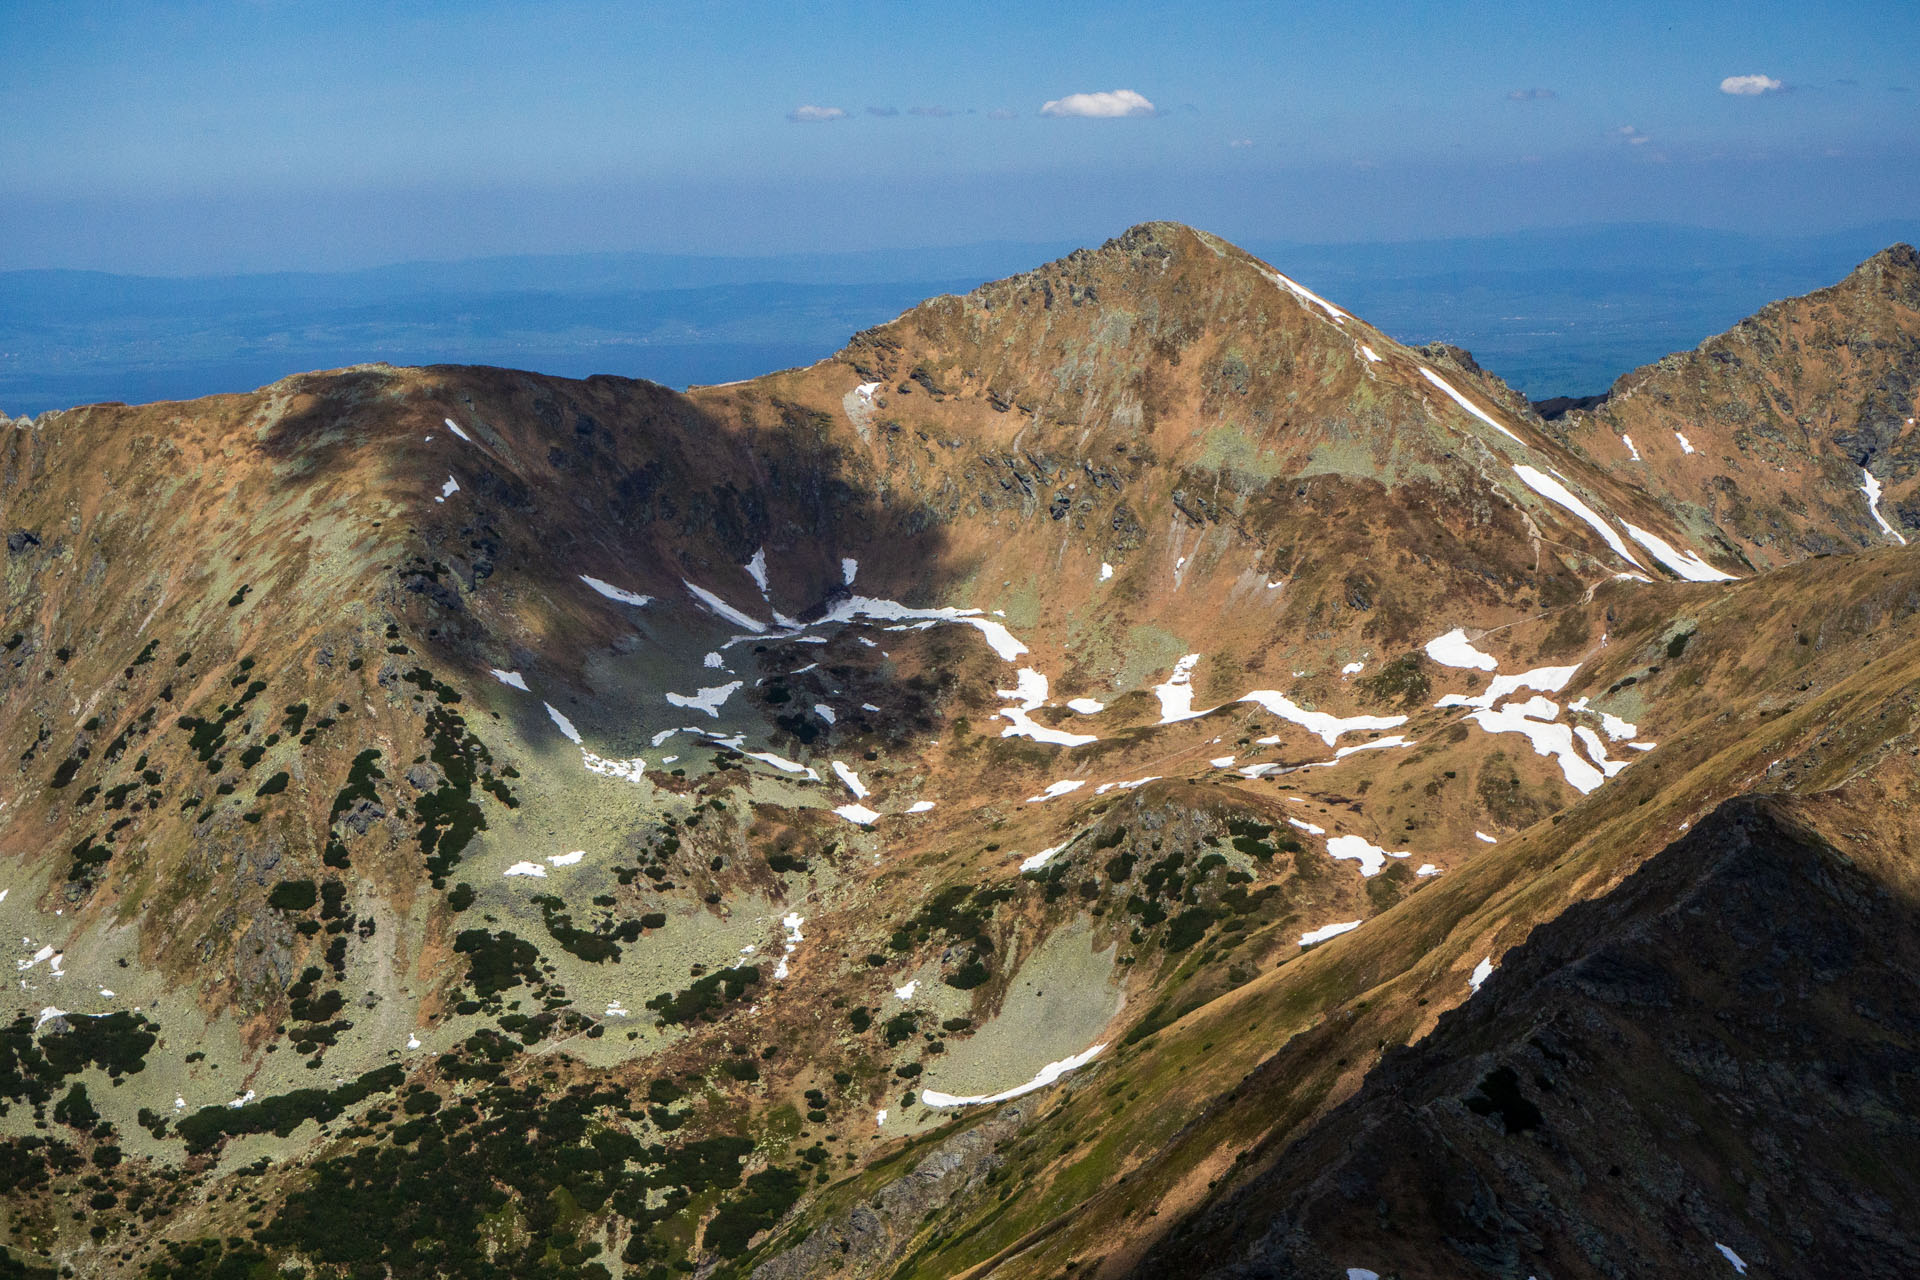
[1718,1052]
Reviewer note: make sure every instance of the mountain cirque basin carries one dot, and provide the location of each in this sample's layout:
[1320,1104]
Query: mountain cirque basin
[1131,771]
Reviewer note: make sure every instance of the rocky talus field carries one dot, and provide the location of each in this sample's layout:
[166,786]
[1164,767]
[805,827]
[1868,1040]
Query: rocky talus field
[1129,772]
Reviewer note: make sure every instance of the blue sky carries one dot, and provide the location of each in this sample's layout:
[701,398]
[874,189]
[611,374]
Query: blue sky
[268,134]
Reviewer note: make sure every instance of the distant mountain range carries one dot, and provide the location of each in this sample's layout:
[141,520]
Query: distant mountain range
[1559,312]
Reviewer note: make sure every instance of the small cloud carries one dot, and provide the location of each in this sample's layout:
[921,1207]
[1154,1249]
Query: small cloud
[883,111]
[1239,143]
[1750,86]
[1002,113]
[811,114]
[1113,104]
[938,113]
[1532,95]
[1631,136]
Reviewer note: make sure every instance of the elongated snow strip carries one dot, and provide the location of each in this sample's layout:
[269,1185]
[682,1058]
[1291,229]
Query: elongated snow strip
[1467,404]
[1870,485]
[1044,1077]
[612,592]
[1685,563]
[1553,491]
[724,610]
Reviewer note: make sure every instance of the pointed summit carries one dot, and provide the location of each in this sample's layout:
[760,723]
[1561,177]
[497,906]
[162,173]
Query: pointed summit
[1793,431]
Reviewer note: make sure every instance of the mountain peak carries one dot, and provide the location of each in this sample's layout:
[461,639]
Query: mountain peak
[1893,272]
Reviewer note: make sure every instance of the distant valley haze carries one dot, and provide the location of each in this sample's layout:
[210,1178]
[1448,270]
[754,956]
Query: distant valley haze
[1555,313]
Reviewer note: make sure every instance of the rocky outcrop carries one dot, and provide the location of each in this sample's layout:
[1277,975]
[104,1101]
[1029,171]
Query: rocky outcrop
[876,1232]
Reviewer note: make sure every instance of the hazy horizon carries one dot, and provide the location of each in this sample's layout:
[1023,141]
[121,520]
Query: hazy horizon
[1553,312]
[219,137]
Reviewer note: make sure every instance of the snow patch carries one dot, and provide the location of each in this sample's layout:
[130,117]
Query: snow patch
[1327,931]
[757,569]
[1467,404]
[1738,1263]
[791,922]
[1046,1076]
[448,489]
[1548,679]
[532,870]
[1369,855]
[455,428]
[1054,790]
[1106,571]
[1870,485]
[1548,739]
[852,780]
[612,592]
[1040,859]
[1306,295]
[1633,453]
[1685,563]
[1327,727]
[1481,972]
[1484,838]
[1552,490]
[1030,693]
[1394,740]
[563,724]
[1685,446]
[1085,706]
[512,679]
[722,609]
[709,699]
[566,859]
[858,814]
[1455,650]
[1176,695]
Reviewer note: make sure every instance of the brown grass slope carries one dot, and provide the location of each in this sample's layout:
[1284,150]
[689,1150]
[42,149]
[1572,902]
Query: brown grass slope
[1784,412]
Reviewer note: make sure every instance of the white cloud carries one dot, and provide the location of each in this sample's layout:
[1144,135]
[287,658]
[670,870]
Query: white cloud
[1110,105]
[810,114]
[1239,143]
[1750,86]
[1632,136]
[1532,95]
